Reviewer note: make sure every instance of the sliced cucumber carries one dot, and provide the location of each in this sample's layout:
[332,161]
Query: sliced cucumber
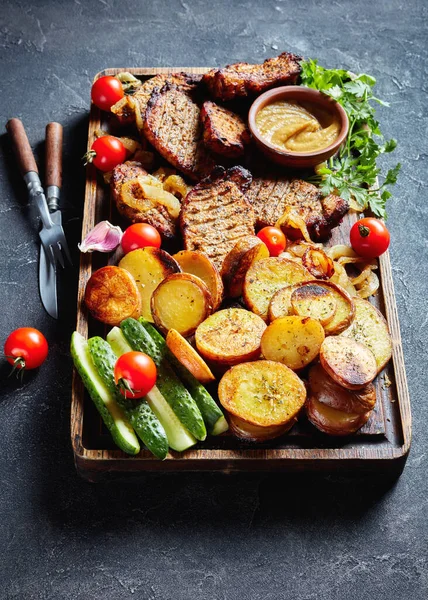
[111,413]
[178,437]
[168,383]
[211,413]
[139,413]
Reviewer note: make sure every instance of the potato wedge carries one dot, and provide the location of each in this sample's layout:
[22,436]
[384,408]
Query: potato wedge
[230,336]
[267,276]
[370,328]
[198,264]
[181,301]
[351,364]
[149,266]
[112,295]
[313,300]
[246,251]
[188,357]
[327,391]
[280,305]
[262,399]
[345,309]
[332,421]
[293,341]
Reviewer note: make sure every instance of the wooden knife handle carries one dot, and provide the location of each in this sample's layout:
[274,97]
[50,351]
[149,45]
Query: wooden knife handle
[53,154]
[21,146]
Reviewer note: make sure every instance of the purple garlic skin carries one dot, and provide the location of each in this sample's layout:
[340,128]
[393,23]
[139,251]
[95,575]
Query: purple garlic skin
[104,237]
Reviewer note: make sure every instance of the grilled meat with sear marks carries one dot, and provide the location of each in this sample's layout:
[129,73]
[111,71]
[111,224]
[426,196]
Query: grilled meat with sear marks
[242,79]
[216,213]
[225,132]
[172,125]
[270,196]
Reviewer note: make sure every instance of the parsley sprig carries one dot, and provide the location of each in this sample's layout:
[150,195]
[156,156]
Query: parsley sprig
[353,174]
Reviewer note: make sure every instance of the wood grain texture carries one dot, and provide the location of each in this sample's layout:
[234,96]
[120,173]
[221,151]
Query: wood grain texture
[54,136]
[382,444]
[21,146]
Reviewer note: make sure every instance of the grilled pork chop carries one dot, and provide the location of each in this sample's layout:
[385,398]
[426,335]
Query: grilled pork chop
[243,79]
[172,125]
[133,206]
[270,196]
[224,131]
[216,213]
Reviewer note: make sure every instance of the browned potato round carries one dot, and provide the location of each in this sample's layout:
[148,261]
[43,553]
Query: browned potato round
[188,357]
[230,336]
[332,421]
[327,391]
[198,264]
[280,305]
[351,364]
[267,276]
[294,341]
[370,328]
[247,251]
[111,295]
[314,300]
[181,301]
[345,309]
[262,399]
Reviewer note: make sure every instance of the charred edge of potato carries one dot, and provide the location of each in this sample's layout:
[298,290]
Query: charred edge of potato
[189,357]
[313,300]
[331,421]
[197,263]
[237,262]
[352,365]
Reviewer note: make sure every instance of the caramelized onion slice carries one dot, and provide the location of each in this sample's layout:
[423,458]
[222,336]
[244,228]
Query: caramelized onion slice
[318,263]
[291,220]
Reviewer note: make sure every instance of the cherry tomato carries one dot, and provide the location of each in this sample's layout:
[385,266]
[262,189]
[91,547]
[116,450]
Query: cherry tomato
[106,91]
[274,239]
[106,153]
[369,237]
[26,348]
[140,235]
[135,374]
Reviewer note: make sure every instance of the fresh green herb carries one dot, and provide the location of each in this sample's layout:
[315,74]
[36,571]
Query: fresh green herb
[353,174]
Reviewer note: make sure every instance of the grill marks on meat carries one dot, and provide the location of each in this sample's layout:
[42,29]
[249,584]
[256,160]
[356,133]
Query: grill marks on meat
[172,125]
[224,131]
[271,196]
[242,79]
[216,213]
[135,208]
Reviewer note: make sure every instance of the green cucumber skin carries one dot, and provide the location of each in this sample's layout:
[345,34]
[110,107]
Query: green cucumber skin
[168,382]
[139,413]
[210,411]
[96,398]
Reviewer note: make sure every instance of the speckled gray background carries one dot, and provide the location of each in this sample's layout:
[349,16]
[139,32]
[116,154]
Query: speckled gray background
[185,537]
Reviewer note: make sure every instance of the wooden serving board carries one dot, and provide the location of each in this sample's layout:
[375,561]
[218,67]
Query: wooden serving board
[382,444]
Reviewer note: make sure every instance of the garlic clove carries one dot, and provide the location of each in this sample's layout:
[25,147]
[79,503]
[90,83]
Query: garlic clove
[104,237]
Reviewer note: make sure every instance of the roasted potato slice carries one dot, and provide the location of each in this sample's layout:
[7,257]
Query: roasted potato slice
[181,301]
[345,309]
[198,264]
[351,364]
[262,399]
[188,357]
[280,305]
[111,295]
[327,391]
[293,341]
[246,251]
[332,421]
[230,336]
[267,276]
[313,300]
[149,266]
[370,328]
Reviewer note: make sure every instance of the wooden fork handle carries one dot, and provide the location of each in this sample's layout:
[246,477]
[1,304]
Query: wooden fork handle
[21,146]
[54,154]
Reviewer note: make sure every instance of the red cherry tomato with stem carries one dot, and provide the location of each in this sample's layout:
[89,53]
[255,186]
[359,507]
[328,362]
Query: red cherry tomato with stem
[135,374]
[140,235]
[106,153]
[369,237]
[26,348]
[274,239]
[106,91]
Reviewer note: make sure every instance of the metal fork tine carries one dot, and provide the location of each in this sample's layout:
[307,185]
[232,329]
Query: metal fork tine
[56,249]
[64,246]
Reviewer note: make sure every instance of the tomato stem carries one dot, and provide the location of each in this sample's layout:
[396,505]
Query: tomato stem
[18,366]
[89,157]
[123,385]
[364,231]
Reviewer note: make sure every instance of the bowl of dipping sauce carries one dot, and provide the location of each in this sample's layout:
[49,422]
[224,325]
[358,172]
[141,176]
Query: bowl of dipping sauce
[297,126]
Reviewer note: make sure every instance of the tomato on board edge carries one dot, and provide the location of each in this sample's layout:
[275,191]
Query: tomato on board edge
[26,348]
[106,91]
[135,374]
[369,237]
[140,235]
[274,239]
[106,153]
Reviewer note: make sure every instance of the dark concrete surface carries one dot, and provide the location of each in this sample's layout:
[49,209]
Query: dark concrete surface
[185,537]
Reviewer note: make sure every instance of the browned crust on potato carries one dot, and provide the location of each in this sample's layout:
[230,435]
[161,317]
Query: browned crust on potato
[111,295]
[225,132]
[198,264]
[246,251]
[188,357]
[280,305]
[313,300]
[351,364]
[331,421]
